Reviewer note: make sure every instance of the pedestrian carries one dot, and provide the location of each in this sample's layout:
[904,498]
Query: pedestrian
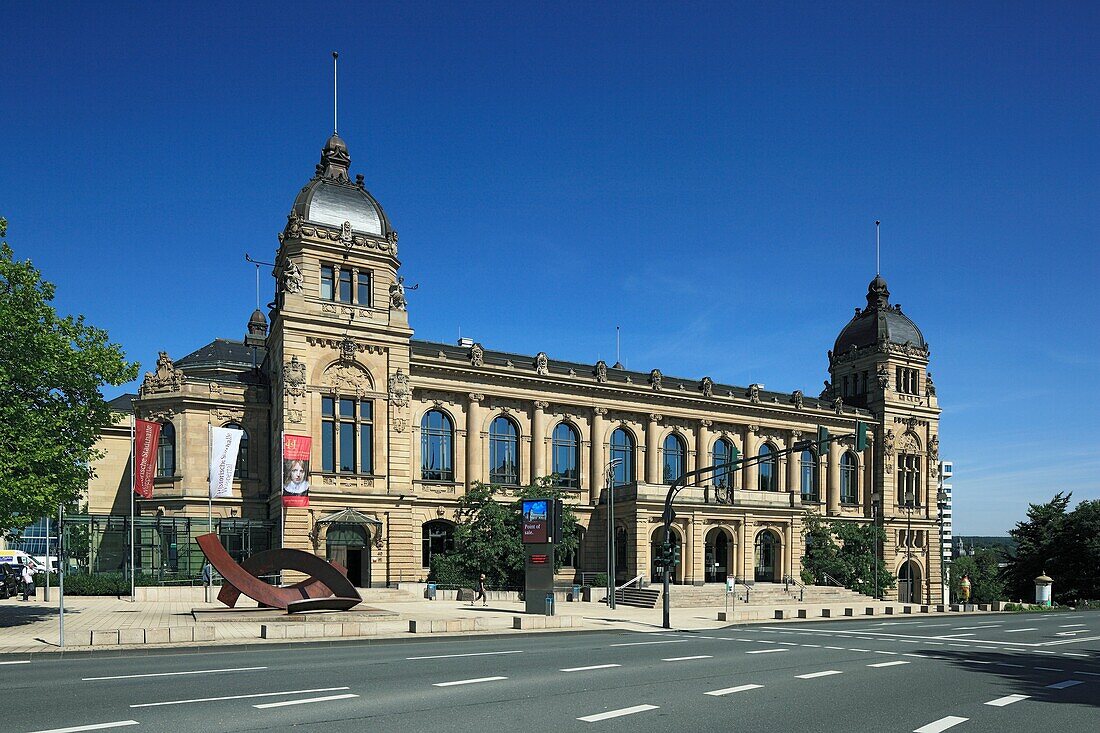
[481,588]
[28,581]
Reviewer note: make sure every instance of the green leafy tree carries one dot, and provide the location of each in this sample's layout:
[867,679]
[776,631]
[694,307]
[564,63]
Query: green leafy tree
[1039,547]
[1079,554]
[488,536]
[51,409]
[983,571]
[844,551]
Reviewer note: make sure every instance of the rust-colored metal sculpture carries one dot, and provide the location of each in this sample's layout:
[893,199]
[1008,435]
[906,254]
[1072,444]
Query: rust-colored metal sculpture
[327,586]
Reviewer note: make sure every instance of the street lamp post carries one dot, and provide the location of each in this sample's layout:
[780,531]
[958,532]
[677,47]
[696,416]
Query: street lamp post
[609,492]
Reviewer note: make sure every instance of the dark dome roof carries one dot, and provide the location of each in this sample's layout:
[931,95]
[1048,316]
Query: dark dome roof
[880,321]
[331,198]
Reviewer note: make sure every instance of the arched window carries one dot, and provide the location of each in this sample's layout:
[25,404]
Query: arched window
[848,479]
[724,452]
[437,447]
[810,487]
[622,449]
[241,469]
[166,450]
[437,538]
[674,458]
[503,452]
[769,468]
[566,461]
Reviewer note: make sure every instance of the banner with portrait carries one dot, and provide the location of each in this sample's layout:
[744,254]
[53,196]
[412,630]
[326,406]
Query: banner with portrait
[296,449]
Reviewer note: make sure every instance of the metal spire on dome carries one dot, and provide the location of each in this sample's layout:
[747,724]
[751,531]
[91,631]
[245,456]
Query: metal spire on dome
[335,129]
[878,250]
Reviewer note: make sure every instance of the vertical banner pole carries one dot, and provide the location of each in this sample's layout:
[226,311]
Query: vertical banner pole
[133,467]
[208,578]
[60,576]
[282,506]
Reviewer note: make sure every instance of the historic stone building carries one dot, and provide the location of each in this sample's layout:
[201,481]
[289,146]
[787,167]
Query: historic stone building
[401,427]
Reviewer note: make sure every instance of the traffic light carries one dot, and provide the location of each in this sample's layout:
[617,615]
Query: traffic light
[674,560]
[822,438]
[861,436]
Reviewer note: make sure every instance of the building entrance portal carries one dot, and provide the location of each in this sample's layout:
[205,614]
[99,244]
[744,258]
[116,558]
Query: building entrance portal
[767,557]
[349,545]
[716,557]
[909,582]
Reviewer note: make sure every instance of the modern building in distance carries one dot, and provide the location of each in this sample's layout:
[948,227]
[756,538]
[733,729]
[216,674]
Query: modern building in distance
[401,427]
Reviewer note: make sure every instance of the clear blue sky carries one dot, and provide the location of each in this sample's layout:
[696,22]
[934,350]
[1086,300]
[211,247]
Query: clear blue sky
[705,175]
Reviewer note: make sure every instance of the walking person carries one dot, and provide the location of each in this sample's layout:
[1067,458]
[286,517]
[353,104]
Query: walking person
[28,581]
[481,588]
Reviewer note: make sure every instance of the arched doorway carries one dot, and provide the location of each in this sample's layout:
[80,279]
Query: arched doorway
[768,556]
[909,582]
[657,540]
[717,556]
[349,545]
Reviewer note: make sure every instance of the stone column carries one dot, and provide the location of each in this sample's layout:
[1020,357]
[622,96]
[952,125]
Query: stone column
[473,438]
[748,548]
[794,469]
[834,478]
[739,552]
[596,458]
[653,449]
[750,475]
[702,452]
[788,549]
[538,440]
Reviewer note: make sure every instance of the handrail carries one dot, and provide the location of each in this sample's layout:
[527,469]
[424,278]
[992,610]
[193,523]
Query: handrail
[635,579]
[830,580]
[788,581]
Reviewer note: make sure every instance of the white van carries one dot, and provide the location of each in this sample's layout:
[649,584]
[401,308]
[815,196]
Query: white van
[18,557]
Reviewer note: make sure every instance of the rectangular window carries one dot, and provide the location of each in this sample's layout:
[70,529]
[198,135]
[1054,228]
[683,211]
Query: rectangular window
[347,447]
[327,282]
[362,295]
[345,286]
[366,437]
[328,435]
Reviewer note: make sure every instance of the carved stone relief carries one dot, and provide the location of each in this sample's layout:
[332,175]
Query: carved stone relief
[347,377]
[399,389]
[166,378]
[477,355]
[294,379]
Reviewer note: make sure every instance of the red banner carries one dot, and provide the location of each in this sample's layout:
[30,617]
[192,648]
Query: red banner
[296,470]
[146,438]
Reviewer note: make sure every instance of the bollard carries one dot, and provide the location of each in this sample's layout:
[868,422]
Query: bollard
[549,604]
[431,591]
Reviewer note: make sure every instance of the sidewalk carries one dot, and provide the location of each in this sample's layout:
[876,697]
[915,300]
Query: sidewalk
[33,626]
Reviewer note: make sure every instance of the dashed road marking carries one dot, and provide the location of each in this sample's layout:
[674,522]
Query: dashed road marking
[617,713]
[1000,702]
[469,654]
[942,724]
[590,667]
[1063,685]
[686,659]
[305,701]
[1016,631]
[894,663]
[645,643]
[172,674]
[731,690]
[95,726]
[766,651]
[236,697]
[473,681]
[814,675]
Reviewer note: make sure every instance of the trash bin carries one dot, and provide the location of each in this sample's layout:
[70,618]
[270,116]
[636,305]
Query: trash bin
[549,604]
[576,593]
[431,591]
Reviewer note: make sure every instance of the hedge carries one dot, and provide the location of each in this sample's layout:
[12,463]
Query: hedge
[101,584]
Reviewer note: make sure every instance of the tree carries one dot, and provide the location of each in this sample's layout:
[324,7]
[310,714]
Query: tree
[986,585]
[488,536]
[844,551]
[51,409]
[1039,546]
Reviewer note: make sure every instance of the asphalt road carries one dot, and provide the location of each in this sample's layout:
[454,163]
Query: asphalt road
[972,673]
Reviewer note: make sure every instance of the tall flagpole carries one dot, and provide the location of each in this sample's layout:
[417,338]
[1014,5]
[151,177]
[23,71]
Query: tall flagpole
[878,267]
[334,55]
[133,467]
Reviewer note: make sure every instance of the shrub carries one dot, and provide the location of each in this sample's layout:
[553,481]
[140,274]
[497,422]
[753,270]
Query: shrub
[600,581]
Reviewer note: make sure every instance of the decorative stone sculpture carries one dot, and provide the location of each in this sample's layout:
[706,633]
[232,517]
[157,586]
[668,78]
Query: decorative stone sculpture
[477,355]
[397,295]
[399,389]
[293,225]
[707,385]
[655,378]
[542,364]
[294,378]
[165,378]
[838,406]
[292,278]
[883,372]
[754,394]
[601,371]
[929,386]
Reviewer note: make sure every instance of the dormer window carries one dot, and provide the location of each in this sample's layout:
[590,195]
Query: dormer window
[345,285]
[905,380]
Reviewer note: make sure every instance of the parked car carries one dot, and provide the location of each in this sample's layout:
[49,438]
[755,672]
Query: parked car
[11,580]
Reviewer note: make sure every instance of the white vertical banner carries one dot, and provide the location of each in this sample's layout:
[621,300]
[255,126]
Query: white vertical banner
[224,443]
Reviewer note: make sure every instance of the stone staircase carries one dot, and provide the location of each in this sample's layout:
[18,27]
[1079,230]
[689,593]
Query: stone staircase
[638,597]
[386,595]
[762,594]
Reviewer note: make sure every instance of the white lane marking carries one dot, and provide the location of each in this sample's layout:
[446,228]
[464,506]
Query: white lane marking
[1000,702]
[1063,685]
[859,650]
[96,726]
[889,664]
[891,653]
[966,628]
[731,690]
[766,651]
[1008,664]
[643,643]
[237,697]
[471,654]
[975,661]
[942,724]
[1090,674]
[812,646]
[1050,669]
[21,661]
[954,636]
[813,675]
[932,626]
[1014,631]
[789,643]
[686,659]
[617,713]
[1073,654]
[473,681]
[836,648]
[304,701]
[920,656]
[172,674]
[1069,626]
[593,666]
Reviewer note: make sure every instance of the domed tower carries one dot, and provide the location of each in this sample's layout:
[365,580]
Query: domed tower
[880,362]
[338,343]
